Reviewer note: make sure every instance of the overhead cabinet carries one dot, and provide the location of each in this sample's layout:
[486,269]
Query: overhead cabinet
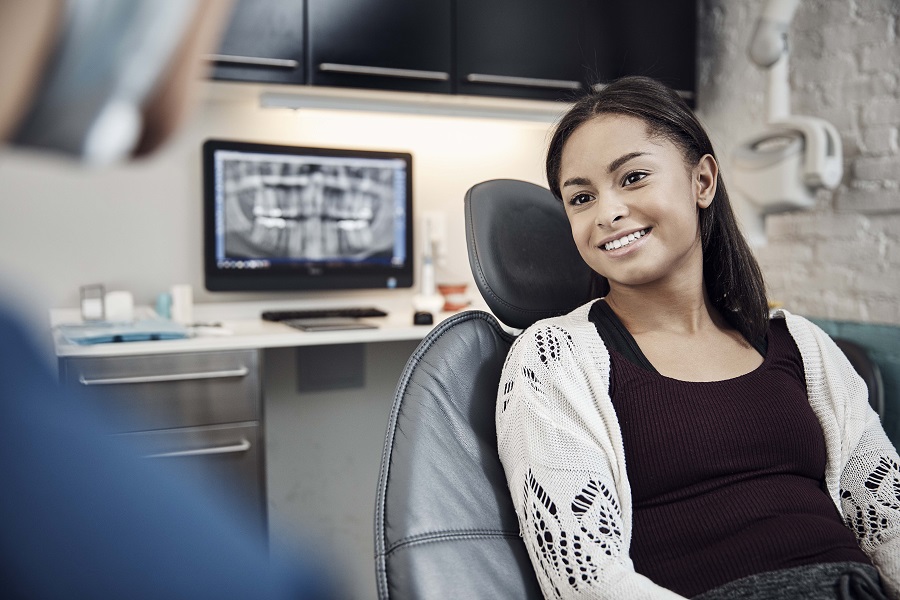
[656,39]
[537,49]
[529,48]
[386,44]
[264,43]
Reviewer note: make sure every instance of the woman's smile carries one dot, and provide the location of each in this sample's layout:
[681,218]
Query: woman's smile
[625,243]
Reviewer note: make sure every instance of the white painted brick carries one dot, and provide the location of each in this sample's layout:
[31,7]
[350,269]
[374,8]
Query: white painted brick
[783,227]
[842,253]
[828,277]
[882,310]
[869,201]
[782,280]
[877,167]
[850,147]
[879,57]
[785,253]
[887,226]
[860,89]
[881,111]
[879,140]
[841,114]
[878,284]
[808,227]
[838,67]
[830,307]
[847,35]
[874,9]
[892,255]
[813,13]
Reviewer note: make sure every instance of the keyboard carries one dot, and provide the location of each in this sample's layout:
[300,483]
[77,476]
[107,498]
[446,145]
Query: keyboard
[355,312]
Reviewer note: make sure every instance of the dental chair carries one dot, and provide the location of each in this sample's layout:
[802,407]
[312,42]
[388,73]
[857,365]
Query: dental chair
[445,526]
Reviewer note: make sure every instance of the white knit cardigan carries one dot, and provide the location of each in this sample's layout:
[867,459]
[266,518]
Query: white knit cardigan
[561,448]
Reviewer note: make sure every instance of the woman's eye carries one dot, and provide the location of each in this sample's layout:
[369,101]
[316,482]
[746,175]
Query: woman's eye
[633,177]
[579,199]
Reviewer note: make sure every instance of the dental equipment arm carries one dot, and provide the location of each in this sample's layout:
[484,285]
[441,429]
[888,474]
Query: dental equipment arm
[822,164]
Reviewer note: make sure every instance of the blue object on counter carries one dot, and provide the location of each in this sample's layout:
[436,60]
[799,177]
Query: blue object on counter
[164,305]
[137,331]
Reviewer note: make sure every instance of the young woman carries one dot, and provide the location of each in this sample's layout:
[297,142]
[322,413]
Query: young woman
[670,439]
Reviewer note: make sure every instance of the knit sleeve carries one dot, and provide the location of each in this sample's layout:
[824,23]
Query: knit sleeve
[870,501]
[559,456]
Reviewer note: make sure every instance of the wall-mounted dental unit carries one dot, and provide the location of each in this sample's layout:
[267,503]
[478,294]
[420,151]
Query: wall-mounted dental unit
[781,167]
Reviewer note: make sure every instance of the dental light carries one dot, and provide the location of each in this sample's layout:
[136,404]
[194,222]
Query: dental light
[781,167]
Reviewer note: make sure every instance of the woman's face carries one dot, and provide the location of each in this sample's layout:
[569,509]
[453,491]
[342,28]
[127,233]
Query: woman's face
[632,202]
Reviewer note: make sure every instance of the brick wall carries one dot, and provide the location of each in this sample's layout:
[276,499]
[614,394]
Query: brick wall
[841,259]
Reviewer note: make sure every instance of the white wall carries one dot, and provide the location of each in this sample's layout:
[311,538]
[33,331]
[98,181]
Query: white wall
[139,227]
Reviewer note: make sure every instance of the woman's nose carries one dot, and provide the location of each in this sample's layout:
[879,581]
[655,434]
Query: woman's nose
[609,210]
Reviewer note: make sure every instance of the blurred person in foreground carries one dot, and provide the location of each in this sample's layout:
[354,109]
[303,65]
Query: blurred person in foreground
[83,516]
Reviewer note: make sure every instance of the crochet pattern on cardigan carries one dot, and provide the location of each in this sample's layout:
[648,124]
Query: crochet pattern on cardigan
[561,448]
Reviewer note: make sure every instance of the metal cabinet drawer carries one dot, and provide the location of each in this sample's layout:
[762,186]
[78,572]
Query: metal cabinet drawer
[170,390]
[227,459]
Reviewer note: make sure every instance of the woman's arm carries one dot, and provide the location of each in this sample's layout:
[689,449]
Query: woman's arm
[863,474]
[870,501]
[559,454]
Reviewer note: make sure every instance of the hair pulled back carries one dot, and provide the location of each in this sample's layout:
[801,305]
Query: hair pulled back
[731,274]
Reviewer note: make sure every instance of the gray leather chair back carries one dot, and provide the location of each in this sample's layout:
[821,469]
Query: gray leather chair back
[445,526]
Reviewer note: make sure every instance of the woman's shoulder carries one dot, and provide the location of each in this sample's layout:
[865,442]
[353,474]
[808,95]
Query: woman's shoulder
[571,336]
[574,323]
[800,327]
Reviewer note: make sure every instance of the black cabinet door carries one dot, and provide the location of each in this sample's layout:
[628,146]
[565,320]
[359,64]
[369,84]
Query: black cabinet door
[263,43]
[384,44]
[540,49]
[653,38]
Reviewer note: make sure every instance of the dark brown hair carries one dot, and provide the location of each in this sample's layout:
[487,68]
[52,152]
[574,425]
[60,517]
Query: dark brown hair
[731,274]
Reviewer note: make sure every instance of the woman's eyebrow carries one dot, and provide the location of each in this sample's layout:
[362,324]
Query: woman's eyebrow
[576,181]
[610,169]
[622,160]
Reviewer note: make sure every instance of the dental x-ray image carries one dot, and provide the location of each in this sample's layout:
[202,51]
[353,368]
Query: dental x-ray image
[307,208]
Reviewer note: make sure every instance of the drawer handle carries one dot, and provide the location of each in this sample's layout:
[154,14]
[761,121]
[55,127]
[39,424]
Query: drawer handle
[533,82]
[384,72]
[241,446]
[241,372]
[252,61]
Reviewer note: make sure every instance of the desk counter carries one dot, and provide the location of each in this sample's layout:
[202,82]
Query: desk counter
[238,331]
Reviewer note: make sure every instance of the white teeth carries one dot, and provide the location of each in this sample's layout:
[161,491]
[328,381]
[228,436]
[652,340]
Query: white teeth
[625,240]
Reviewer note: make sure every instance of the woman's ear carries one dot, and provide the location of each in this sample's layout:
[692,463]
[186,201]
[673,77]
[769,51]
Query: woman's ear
[704,177]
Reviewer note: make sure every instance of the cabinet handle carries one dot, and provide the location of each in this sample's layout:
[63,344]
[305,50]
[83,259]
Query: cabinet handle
[240,372]
[384,72]
[533,82]
[254,61]
[241,446]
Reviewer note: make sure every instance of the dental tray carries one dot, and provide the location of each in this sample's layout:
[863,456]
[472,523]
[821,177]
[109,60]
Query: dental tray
[103,332]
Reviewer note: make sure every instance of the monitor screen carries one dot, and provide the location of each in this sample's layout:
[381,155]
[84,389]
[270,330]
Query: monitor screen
[292,218]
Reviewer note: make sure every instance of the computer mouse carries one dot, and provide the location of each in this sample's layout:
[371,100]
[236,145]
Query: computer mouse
[423,318]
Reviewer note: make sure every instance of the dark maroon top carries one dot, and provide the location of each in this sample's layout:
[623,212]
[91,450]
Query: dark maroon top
[727,477]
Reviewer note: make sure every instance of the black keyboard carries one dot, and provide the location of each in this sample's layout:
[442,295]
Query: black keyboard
[355,312]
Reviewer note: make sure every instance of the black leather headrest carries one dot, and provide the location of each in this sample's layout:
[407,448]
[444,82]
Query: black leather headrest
[521,251]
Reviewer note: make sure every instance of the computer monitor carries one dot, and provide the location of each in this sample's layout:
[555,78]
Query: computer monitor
[291,218]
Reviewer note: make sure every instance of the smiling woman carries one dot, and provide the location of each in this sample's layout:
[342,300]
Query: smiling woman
[671,438]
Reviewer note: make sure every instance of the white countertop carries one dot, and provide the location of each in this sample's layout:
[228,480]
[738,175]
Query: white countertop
[241,328]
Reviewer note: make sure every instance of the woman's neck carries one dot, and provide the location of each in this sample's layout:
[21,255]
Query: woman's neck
[684,309]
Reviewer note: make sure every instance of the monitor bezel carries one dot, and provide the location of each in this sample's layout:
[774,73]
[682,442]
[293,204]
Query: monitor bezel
[322,277]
